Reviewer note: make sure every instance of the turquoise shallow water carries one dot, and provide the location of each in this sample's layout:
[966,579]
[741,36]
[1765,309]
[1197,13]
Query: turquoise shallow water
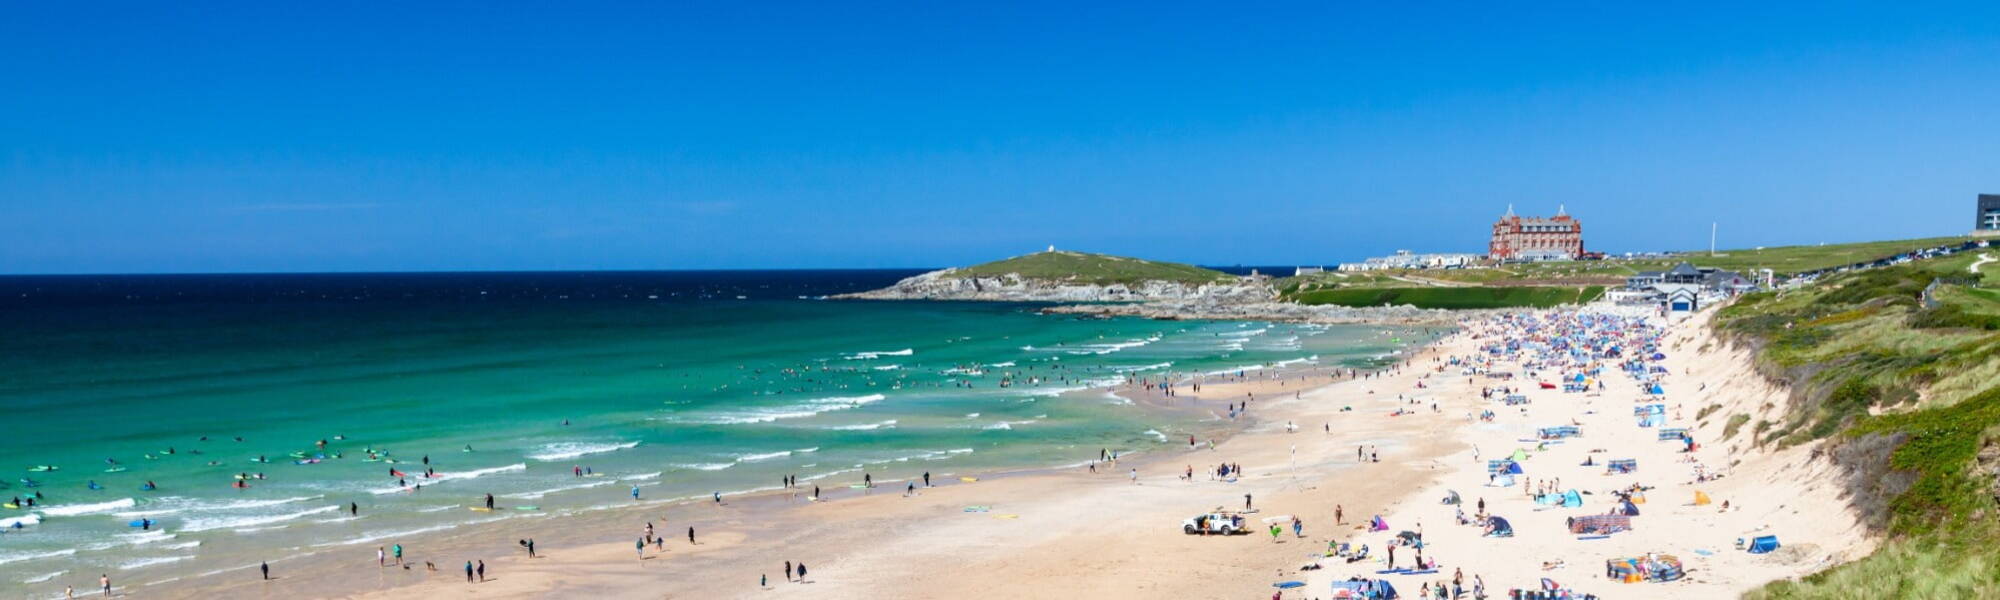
[679,384]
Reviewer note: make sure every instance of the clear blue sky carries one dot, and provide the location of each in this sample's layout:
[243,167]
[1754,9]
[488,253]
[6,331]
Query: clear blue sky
[175,137]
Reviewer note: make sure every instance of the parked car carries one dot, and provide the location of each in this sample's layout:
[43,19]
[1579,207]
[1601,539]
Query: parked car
[1216,522]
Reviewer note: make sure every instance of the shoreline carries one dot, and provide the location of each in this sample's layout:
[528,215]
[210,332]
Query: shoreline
[1054,532]
[587,530]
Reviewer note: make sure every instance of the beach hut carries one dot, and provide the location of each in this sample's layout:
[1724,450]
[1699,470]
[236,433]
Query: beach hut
[1763,544]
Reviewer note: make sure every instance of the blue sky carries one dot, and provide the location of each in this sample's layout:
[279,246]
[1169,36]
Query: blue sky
[181,137]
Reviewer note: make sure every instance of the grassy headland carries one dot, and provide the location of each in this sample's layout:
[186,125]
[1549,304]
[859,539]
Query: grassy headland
[1098,269]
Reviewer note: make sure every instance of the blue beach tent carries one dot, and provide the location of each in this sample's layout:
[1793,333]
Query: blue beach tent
[1764,544]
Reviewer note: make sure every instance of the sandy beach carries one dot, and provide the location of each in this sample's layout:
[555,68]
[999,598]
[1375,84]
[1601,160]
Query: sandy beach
[1075,533]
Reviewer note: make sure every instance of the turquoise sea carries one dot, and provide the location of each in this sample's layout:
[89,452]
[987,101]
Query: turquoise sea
[678,383]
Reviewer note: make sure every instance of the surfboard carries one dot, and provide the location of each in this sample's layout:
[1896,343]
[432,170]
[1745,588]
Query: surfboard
[480,509]
[11,505]
[968,479]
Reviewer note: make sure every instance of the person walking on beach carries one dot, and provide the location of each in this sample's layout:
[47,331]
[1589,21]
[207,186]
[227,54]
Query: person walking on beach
[1392,558]
[802,572]
[381,557]
[1135,477]
[468,571]
[1274,532]
[266,568]
[531,547]
[482,571]
[353,509]
[690,535]
[489,502]
[1246,502]
[640,547]
[1338,517]
[398,550]
[788,570]
[635,492]
[1298,527]
[927,478]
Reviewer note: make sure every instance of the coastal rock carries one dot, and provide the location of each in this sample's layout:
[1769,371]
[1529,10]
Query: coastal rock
[953,284]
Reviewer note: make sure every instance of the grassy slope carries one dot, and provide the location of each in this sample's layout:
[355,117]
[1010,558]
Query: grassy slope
[1784,260]
[1452,297]
[1084,268]
[1932,375]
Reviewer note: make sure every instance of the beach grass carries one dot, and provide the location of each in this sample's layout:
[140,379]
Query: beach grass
[1875,361]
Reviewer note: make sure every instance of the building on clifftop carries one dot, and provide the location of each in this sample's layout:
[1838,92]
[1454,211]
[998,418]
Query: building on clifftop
[1536,238]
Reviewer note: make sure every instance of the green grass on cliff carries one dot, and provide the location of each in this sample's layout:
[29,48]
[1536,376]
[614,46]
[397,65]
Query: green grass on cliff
[1098,269]
[1874,364]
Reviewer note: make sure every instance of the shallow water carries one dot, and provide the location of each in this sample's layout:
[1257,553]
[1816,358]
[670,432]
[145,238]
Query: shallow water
[668,382]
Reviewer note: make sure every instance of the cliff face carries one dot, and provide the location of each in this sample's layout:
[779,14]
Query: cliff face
[954,284]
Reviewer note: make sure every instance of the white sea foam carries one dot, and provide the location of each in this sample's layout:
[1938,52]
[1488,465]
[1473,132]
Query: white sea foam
[1102,349]
[23,520]
[1002,365]
[879,354]
[131,539]
[14,557]
[705,466]
[452,476]
[864,426]
[641,476]
[971,415]
[147,562]
[1157,435]
[1246,333]
[177,504]
[565,488]
[1138,368]
[568,450]
[245,523]
[182,545]
[43,577]
[70,510]
[888,367]
[766,415]
[807,450]
[763,456]
[374,536]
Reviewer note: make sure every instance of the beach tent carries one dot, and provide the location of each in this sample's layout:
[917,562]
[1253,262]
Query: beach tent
[1519,455]
[1363,588]
[1701,498]
[1501,481]
[1628,509]
[1499,527]
[1571,499]
[1450,497]
[1764,544]
[1377,524]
